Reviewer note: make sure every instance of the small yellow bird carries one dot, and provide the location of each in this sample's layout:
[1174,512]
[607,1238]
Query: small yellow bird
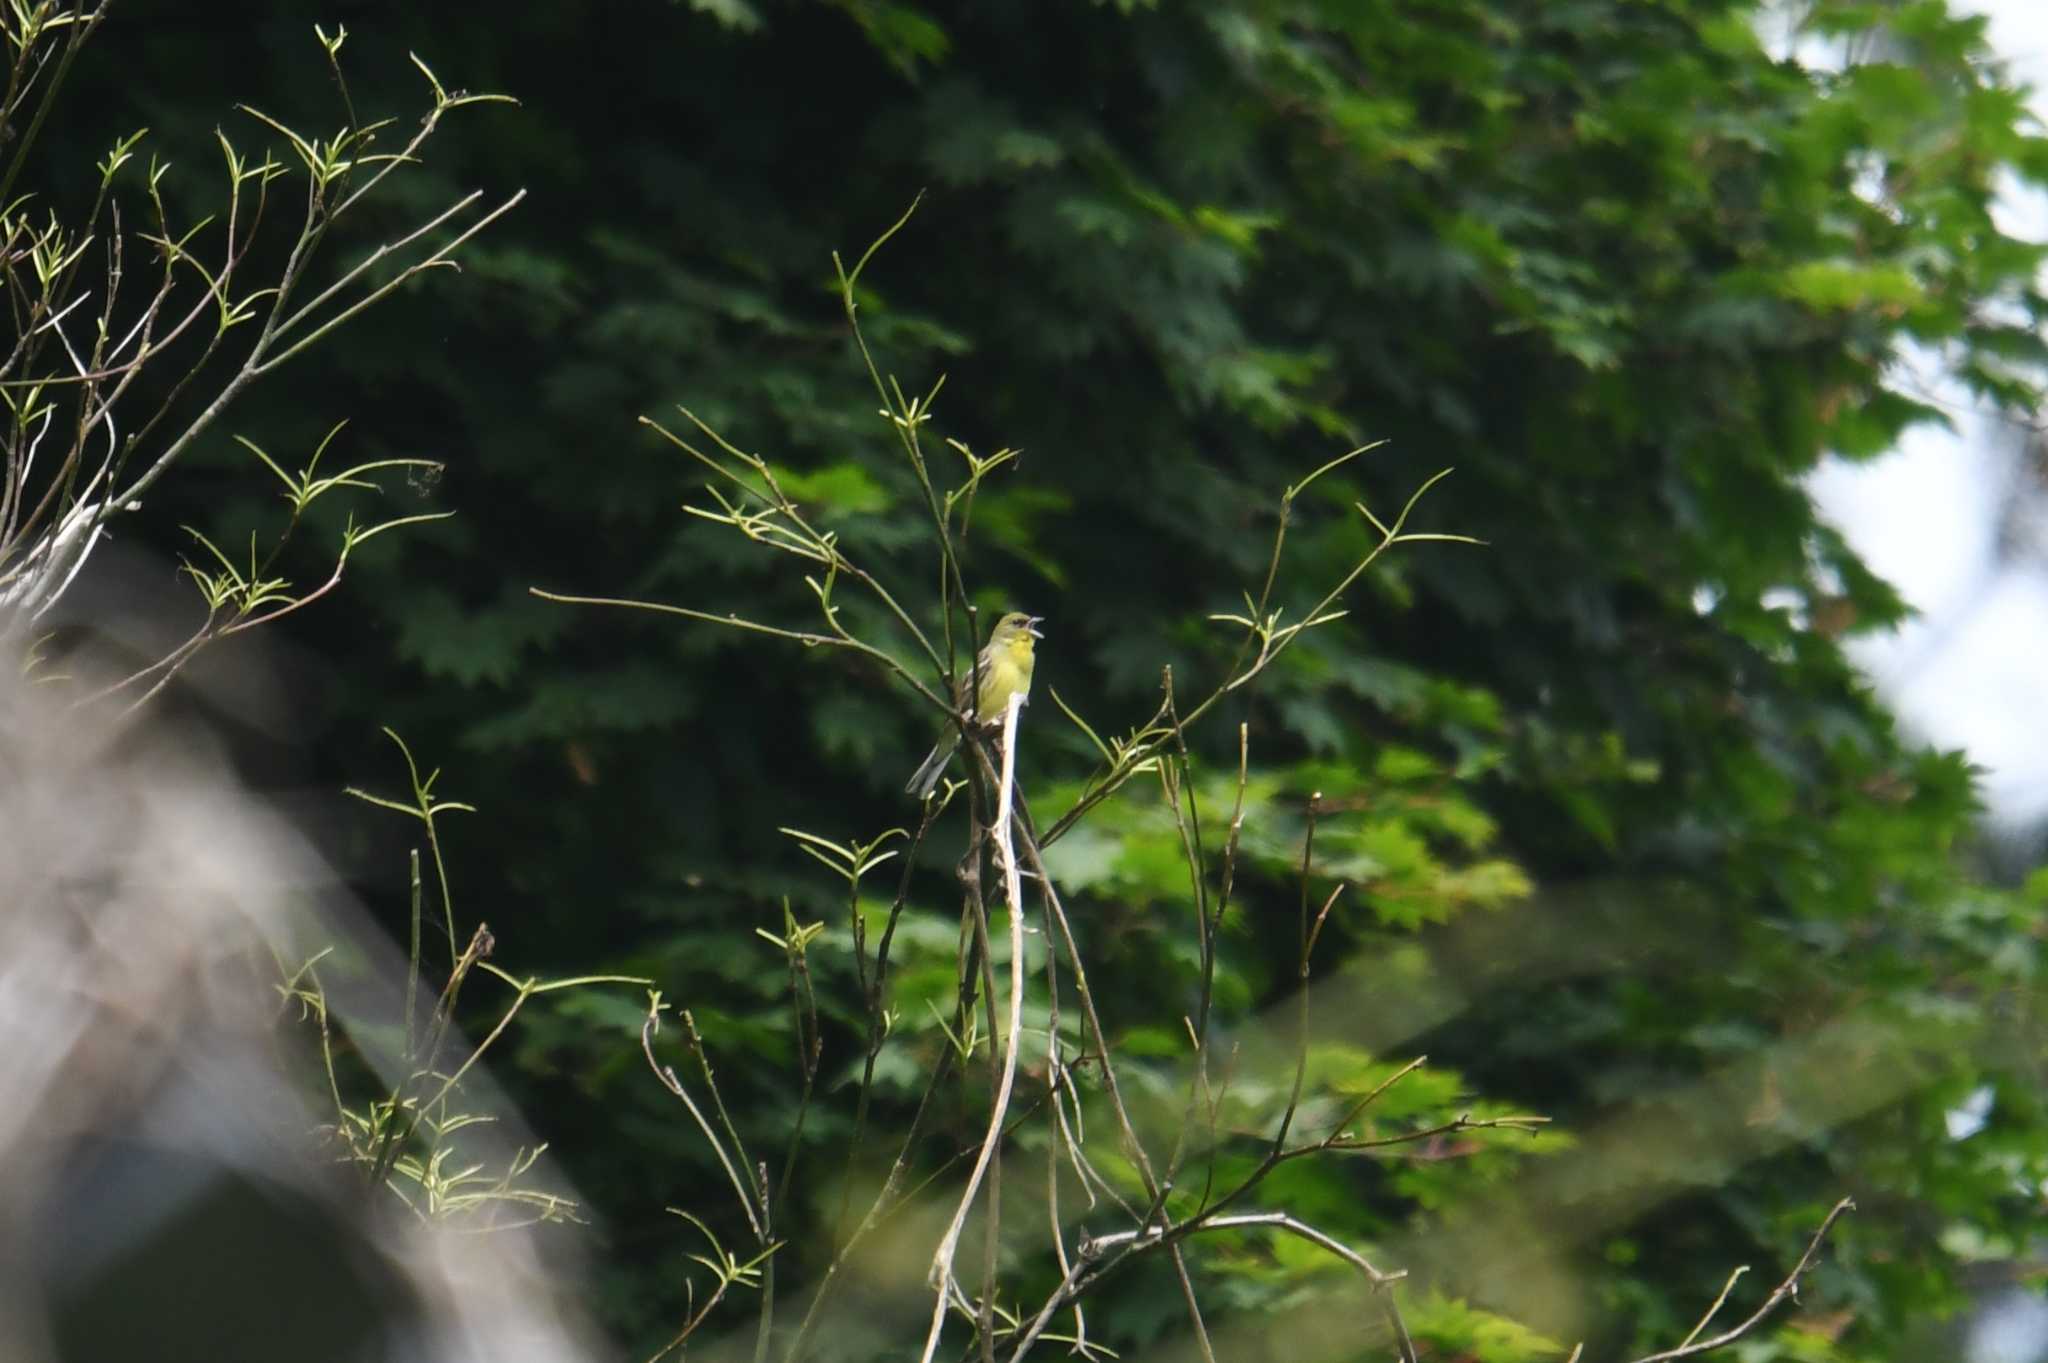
[1005,671]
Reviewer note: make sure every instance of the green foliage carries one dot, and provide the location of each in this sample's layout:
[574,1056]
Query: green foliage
[1622,839]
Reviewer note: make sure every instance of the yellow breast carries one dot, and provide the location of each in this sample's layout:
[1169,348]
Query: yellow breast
[1007,673]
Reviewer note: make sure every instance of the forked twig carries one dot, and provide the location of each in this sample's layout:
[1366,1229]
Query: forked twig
[1784,1291]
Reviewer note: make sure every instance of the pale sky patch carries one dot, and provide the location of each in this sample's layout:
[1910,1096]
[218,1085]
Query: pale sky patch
[1972,671]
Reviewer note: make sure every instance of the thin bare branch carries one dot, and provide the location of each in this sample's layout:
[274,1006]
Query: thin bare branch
[1786,1290]
[942,1258]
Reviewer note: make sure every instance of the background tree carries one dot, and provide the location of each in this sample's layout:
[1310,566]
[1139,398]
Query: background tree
[1628,843]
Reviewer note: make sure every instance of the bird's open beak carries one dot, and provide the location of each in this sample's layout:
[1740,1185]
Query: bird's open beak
[1031,626]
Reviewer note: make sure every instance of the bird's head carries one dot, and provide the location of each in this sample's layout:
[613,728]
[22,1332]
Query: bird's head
[1016,631]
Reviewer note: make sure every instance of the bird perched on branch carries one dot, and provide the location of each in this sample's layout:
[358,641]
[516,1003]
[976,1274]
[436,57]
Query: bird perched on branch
[1004,670]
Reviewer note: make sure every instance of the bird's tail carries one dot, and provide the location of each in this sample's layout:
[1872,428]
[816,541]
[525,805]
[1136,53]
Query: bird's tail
[929,771]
